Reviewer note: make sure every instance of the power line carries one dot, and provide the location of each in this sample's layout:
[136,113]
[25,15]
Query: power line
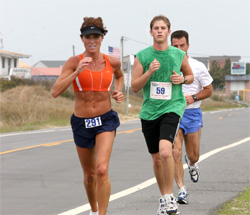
[126,38]
[56,53]
[203,55]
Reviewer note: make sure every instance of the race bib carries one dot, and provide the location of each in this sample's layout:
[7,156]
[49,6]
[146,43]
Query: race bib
[160,90]
[93,122]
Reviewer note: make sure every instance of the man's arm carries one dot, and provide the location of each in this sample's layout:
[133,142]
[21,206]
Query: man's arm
[206,92]
[187,71]
[139,79]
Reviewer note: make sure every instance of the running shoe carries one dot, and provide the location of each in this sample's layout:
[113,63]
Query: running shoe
[182,196]
[171,205]
[162,207]
[193,170]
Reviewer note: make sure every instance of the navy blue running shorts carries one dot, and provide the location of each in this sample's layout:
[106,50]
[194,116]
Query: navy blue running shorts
[85,129]
[165,127]
[191,120]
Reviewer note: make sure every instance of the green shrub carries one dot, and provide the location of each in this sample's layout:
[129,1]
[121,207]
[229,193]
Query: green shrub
[14,82]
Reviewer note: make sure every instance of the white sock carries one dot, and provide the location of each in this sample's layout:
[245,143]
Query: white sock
[167,196]
[183,188]
[93,213]
[192,166]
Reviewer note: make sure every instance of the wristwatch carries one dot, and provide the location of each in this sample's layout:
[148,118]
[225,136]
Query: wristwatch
[195,98]
[185,80]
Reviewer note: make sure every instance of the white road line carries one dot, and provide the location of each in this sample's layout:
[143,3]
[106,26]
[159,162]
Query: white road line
[34,132]
[66,128]
[151,181]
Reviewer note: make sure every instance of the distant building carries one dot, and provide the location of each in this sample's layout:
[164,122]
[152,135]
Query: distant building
[45,74]
[221,60]
[47,70]
[237,83]
[204,60]
[9,65]
[233,83]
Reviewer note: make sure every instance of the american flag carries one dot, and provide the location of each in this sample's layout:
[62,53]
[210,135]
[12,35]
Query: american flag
[114,51]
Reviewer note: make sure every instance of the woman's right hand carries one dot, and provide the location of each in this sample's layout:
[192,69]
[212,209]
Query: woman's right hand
[82,64]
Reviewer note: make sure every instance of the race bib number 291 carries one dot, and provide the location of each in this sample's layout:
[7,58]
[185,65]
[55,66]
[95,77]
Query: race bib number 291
[93,122]
[161,90]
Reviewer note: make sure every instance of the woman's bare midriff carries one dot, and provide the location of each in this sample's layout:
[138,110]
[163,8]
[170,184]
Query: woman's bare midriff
[91,103]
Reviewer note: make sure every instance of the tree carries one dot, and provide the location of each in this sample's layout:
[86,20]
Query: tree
[218,75]
[227,67]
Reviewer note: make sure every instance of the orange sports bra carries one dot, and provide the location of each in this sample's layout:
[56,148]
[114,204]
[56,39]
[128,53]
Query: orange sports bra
[94,80]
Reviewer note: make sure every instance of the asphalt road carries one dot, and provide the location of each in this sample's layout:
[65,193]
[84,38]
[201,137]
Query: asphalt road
[41,174]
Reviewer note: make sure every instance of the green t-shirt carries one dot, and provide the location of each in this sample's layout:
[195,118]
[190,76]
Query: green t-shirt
[170,60]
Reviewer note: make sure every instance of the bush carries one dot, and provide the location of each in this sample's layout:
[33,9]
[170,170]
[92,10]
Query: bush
[14,82]
[232,95]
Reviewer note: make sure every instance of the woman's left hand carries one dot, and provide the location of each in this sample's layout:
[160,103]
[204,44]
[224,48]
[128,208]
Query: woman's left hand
[117,96]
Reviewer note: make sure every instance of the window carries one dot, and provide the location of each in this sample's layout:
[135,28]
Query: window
[15,62]
[3,62]
[9,62]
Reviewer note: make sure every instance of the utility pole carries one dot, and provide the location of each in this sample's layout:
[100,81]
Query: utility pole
[1,41]
[122,51]
[122,39]
[128,82]
[129,66]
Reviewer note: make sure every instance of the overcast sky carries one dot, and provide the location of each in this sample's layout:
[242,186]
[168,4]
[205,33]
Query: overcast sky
[47,29]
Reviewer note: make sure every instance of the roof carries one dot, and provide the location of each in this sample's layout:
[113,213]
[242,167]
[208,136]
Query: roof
[50,63]
[201,58]
[46,71]
[21,64]
[223,57]
[237,77]
[13,54]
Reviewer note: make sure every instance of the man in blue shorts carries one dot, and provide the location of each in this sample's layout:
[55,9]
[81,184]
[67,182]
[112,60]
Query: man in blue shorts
[191,123]
[157,70]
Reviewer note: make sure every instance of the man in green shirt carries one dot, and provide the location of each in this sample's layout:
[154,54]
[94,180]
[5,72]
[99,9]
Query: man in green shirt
[158,71]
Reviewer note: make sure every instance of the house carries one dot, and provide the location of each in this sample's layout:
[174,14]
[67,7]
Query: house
[237,83]
[45,74]
[47,70]
[221,60]
[204,60]
[9,65]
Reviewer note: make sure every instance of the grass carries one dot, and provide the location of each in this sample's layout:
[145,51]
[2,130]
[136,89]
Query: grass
[33,107]
[238,206]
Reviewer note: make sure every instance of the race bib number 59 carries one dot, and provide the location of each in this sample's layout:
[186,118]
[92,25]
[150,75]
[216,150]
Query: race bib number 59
[93,122]
[160,90]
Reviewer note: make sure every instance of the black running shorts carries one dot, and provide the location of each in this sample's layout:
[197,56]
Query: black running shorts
[165,127]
